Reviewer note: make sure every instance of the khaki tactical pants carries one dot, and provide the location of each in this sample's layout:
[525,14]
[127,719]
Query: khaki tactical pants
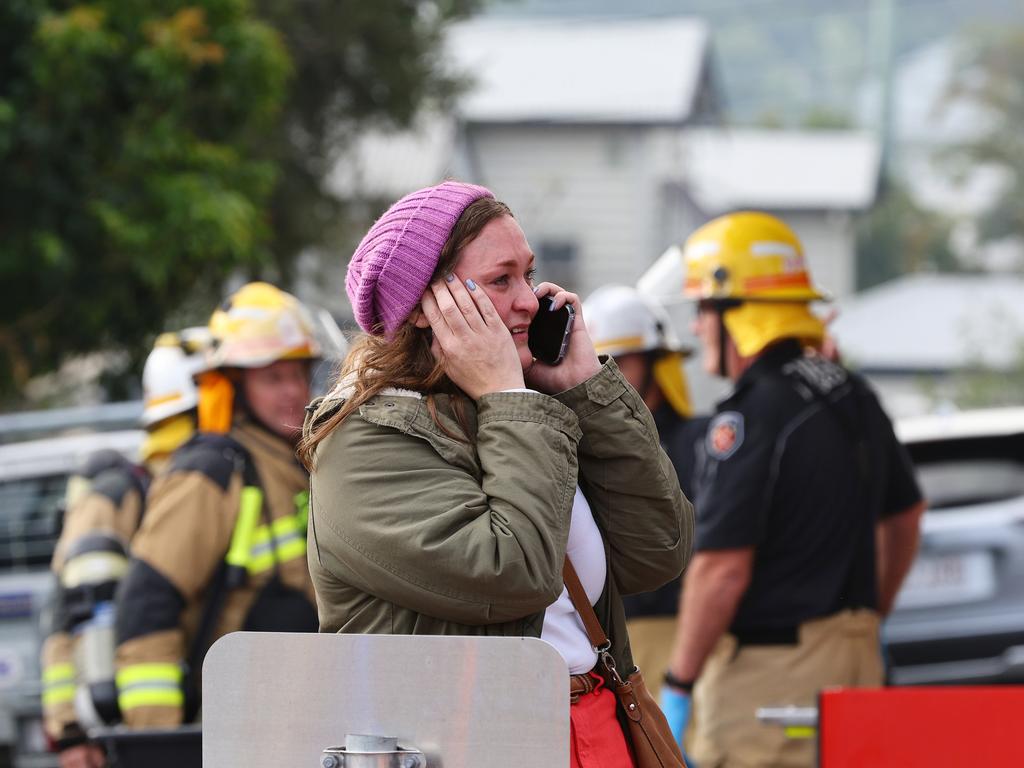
[650,640]
[839,650]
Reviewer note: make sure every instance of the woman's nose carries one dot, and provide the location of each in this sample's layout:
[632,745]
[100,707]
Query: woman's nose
[526,300]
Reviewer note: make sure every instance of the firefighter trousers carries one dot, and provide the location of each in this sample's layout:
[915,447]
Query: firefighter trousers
[838,650]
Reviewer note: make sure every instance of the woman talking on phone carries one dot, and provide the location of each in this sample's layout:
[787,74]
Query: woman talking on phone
[453,472]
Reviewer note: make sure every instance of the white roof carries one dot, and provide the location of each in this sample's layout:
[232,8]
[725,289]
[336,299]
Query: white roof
[934,322]
[572,70]
[782,170]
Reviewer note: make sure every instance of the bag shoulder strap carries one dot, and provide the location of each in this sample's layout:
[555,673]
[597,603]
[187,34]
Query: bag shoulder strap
[581,603]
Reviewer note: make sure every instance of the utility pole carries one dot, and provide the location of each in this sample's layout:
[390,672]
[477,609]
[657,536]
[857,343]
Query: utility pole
[881,44]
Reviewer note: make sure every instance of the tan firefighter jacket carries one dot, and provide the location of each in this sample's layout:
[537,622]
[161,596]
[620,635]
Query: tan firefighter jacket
[194,519]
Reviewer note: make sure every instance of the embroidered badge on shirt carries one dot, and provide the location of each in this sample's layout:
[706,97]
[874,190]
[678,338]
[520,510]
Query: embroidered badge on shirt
[725,435]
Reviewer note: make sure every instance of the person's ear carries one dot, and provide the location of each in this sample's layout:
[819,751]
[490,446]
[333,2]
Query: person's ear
[417,318]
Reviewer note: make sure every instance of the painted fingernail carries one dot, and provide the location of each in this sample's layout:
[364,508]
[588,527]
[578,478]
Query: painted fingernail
[449,277]
[470,284]
[551,307]
[536,288]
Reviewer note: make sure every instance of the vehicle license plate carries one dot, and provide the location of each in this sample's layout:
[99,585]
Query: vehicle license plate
[946,579]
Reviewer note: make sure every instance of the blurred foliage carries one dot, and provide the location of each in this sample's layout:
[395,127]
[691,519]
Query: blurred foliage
[978,385]
[148,148]
[987,388]
[826,119]
[357,65]
[130,170]
[991,76]
[898,237]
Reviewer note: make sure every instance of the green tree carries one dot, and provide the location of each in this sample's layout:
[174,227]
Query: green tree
[147,149]
[898,237]
[991,77]
[131,170]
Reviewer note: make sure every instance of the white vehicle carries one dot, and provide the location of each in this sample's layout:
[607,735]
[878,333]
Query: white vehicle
[960,615]
[33,479]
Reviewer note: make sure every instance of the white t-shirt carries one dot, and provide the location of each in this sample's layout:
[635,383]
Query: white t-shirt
[563,627]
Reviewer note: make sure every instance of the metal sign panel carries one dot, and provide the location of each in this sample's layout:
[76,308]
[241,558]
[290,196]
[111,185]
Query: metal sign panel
[275,699]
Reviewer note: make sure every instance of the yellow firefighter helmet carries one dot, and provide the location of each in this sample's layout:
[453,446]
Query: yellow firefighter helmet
[752,265]
[258,325]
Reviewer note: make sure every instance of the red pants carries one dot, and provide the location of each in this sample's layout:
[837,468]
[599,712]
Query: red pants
[595,736]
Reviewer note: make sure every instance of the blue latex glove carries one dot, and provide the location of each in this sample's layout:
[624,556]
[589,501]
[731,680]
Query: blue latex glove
[676,705]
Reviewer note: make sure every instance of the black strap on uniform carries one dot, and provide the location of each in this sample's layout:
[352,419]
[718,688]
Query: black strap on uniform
[721,306]
[854,430]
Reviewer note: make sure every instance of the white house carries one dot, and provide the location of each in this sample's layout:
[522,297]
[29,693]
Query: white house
[601,135]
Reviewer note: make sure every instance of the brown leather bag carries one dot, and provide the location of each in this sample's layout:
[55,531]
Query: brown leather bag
[653,744]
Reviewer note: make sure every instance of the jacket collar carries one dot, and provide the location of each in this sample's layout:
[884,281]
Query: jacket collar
[258,439]
[770,361]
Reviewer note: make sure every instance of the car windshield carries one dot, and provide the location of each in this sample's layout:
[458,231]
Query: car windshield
[30,519]
[976,470]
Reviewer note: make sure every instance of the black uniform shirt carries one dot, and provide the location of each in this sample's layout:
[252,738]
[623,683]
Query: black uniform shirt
[681,439]
[800,462]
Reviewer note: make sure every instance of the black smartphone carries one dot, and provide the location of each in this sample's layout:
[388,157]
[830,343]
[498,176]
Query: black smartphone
[549,332]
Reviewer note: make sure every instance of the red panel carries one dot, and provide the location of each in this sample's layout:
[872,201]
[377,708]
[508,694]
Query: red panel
[935,727]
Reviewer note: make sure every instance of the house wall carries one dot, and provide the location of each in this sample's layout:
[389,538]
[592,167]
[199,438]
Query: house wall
[594,189]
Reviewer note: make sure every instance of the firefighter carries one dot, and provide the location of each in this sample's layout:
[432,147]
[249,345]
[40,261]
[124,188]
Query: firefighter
[223,545]
[105,503]
[808,507]
[639,335]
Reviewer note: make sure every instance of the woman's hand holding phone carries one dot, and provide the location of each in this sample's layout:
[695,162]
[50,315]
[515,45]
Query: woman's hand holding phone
[476,348]
[580,361]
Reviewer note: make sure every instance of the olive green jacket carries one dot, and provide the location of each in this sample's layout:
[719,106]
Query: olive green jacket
[415,532]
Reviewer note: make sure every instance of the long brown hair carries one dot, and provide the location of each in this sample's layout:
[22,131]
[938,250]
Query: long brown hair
[405,360]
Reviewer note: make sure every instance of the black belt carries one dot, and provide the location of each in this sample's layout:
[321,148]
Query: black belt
[767,636]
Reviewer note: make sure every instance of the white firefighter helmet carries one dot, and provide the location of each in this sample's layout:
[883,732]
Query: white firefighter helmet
[620,321]
[168,386]
[664,279]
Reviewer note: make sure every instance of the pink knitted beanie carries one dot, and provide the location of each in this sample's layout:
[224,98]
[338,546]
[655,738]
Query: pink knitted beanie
[393,264]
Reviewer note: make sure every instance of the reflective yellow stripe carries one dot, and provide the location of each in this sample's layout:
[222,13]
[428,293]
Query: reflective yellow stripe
[302,509]
[801,732]
[58,694]
[245,527]
[58,684]
[152,402]
[623,342]
[150,698]
[58,673]
[160,672]
[289,543]
[150,685]
[291,549]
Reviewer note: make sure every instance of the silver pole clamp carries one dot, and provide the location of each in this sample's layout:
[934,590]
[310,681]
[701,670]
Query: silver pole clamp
[366,751]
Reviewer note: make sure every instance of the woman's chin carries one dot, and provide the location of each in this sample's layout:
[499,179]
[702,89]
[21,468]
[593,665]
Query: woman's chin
[525,357]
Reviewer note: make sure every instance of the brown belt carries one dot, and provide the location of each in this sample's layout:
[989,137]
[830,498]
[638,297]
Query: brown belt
[580,685]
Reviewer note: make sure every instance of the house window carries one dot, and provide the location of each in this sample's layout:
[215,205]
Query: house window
[556,262]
